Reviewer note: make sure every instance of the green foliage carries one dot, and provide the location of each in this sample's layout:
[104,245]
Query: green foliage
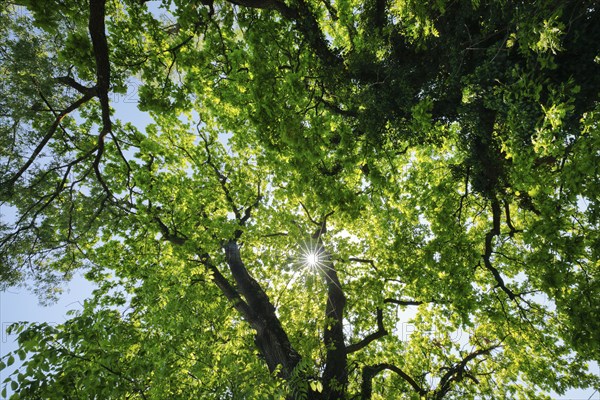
[441,158]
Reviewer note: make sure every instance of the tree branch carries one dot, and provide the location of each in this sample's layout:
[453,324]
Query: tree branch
[458,371]
[489,247]
[67,80]
[365,261]
[174,238]
[248,212]
[97,29]
[513,230]
[381,332]
[271,339]
[310,218]
[281,7]
[220,176]
[369,372]
[228,290]
[404,302]
[335,376]
[464,196]
[47,138]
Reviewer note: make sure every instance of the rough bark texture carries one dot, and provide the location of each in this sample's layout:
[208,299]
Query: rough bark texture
[271,339]
[335,376]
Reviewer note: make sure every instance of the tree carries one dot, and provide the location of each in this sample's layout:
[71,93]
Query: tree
[313,167]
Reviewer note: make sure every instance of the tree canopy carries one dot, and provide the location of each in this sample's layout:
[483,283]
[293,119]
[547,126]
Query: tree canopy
[315,173]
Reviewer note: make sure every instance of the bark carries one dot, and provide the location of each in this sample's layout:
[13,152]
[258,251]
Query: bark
[335,376]
[97,28]
[271,339]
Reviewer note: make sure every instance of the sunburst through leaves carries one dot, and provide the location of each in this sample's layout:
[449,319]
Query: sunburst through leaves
[312,257]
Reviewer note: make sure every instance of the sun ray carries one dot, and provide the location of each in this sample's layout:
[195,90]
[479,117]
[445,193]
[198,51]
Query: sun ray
[313,260]
[312,257]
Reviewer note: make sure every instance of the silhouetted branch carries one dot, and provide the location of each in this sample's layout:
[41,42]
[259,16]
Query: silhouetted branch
[271,339]
[370,371]
[513,230]
[458,372]
[495,231]
[381,332]
[67,80]
[335,376]
[404,302]
[47,137]
[172,237]
[97,29]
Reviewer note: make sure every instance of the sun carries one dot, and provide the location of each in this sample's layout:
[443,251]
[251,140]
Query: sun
[312,257]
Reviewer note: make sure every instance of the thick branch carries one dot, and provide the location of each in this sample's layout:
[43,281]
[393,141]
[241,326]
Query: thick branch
[229,291]
[335,376]
[381,332]
[369,372]
[100,45]
[403,302]
[271,339]
[512,228]
[281,7]
[67,80]
[172,237]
